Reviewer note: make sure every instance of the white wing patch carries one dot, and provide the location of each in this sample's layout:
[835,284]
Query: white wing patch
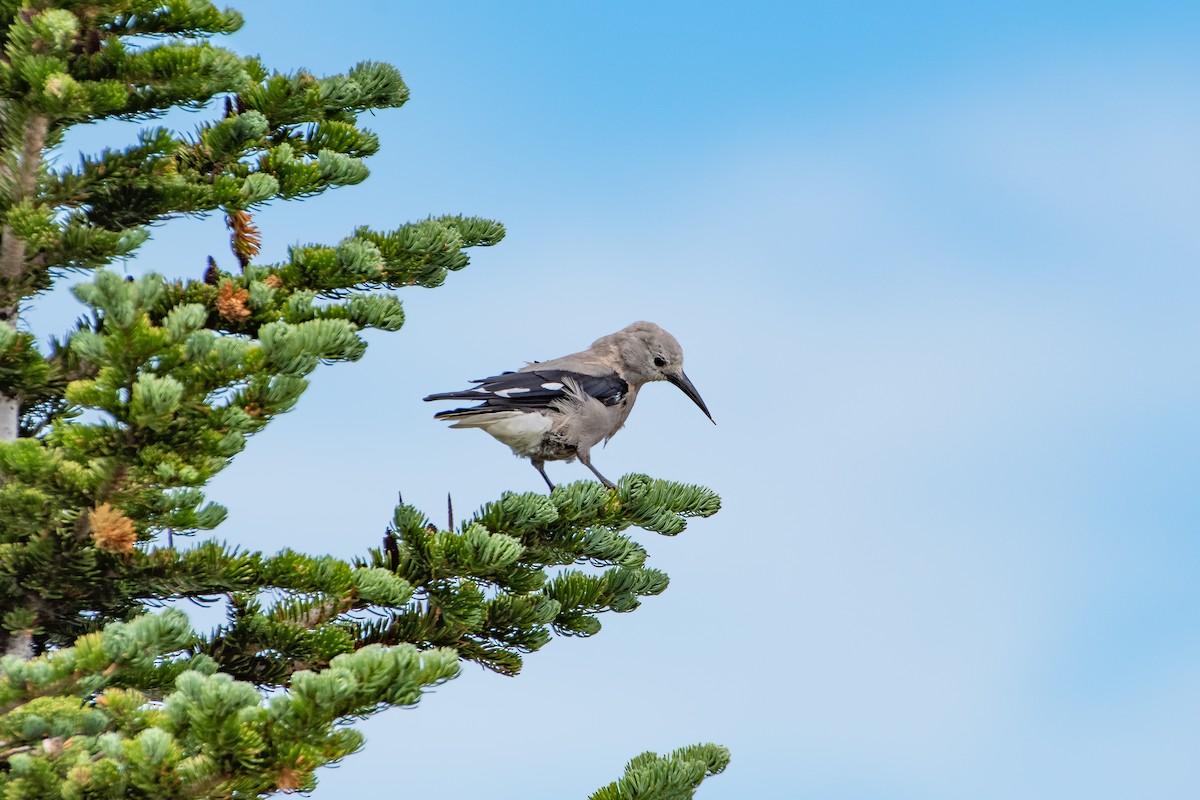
[509,392]
[553,386]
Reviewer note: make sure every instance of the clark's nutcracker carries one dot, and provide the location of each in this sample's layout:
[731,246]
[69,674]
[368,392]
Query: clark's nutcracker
[558,410]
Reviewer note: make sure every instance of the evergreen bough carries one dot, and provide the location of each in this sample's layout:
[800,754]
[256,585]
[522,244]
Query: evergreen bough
[109,434]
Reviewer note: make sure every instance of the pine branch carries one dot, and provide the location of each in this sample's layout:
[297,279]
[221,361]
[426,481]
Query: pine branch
[70,721]
[675,776]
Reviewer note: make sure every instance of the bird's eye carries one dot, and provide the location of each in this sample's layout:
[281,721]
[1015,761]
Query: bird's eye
[659,361]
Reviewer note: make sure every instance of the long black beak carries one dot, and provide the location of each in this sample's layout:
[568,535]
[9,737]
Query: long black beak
[685,385]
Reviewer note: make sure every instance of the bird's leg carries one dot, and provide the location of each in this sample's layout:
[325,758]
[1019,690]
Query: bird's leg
[540,466]
[586,460]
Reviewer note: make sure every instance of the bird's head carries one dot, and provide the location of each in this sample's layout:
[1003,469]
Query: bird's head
[648,353]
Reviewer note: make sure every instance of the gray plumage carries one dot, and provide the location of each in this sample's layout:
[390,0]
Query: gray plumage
[558,410]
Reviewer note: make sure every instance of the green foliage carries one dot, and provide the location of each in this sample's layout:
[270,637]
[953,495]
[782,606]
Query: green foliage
[127,416]
[494,589]
[183,372]
[283,135]
[79,722]
[482,592]
[22,367]
[674,776]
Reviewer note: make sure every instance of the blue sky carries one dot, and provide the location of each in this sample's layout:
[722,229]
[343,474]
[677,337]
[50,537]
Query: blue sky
[934,269]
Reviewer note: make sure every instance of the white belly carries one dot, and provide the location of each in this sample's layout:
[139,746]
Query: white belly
[523,431]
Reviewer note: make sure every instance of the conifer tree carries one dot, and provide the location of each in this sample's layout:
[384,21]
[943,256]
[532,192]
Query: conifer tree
[110,432]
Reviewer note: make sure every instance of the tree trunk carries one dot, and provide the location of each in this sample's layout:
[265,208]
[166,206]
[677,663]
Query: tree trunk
[12,254]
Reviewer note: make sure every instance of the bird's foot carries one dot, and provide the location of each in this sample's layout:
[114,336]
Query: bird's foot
[587,462]
[540,466]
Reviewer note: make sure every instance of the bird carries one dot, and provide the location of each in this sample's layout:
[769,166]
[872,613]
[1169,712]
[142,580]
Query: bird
[558,410]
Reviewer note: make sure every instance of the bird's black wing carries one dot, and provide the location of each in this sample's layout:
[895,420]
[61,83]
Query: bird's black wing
[513,391]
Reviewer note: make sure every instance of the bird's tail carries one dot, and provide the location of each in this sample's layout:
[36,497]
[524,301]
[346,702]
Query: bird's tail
[465,394]
[470,417]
